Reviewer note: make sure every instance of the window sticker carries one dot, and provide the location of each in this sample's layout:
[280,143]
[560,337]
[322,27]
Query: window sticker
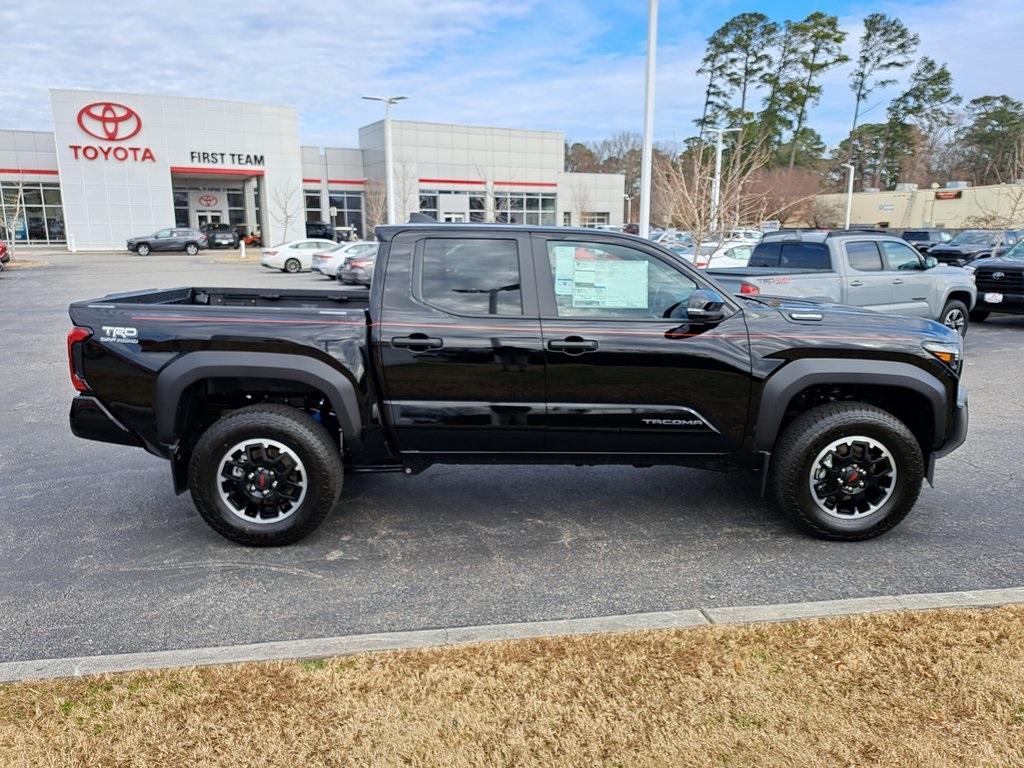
[564,259]
[610,284]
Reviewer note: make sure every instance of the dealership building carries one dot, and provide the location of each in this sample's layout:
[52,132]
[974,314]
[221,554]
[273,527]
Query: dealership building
[118,165]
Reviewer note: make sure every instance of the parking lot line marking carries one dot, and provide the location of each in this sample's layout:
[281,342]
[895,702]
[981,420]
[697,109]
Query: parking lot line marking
[349,644]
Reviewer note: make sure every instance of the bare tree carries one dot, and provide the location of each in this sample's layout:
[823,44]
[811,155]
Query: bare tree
[1007,210]
[683,183]
[787,191]
[581,202]
[285,210]
[407,186]
[376,203]
[11,213]
[823,213]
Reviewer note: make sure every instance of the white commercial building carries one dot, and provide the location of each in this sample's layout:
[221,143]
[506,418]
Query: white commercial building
[120,165]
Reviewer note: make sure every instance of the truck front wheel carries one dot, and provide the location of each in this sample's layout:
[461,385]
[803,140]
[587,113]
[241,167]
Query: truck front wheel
[265,475]
[847,471]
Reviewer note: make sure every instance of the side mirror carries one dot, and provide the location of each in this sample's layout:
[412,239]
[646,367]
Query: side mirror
[705,306]
[930,261]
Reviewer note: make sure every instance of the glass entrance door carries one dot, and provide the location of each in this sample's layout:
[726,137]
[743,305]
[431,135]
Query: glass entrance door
[208,217]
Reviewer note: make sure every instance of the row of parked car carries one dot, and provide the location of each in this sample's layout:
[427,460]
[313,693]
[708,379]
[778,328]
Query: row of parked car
[350,262]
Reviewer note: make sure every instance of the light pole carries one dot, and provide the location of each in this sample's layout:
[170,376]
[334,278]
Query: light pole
[648,145]
[716,183]
[629,209]
[849,191]
[389,163]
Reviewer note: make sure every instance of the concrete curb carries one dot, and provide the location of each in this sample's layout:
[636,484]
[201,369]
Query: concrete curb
[339,646]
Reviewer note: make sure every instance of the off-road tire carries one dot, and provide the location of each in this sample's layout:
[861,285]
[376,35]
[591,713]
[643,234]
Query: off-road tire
[955,308]
[292,266]
[142,249]
[289,426]
[799,445]
[979,316]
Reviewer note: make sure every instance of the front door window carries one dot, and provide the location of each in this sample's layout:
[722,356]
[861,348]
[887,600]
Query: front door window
[613,281]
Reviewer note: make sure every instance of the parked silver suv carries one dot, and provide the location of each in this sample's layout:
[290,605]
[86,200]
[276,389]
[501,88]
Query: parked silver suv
[187,240]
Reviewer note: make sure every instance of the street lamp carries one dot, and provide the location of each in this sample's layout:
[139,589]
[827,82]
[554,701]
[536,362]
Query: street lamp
[389,167]
[629,209]
[716,183]
[648,144]
[849,192]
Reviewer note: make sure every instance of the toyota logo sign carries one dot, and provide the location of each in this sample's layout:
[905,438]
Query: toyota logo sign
[109,121]
[208,200]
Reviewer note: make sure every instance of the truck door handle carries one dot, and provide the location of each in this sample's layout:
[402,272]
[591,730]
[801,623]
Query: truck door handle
[857,283]
[417,342]
[573,345]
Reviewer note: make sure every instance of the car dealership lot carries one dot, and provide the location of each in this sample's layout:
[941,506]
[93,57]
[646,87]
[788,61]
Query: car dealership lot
[97,555]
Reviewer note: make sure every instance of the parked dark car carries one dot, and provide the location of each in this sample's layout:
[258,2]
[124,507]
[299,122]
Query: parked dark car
[974,244]
[358,270]
[492,344]
[221,234]
[321,229]
[188,240]
[924,239]
[1000,281]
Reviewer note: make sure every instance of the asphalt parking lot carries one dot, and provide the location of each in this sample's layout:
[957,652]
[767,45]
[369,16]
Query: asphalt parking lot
[97,555]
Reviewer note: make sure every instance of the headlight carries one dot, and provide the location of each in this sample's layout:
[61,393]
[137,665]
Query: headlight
[951,353]
[970,268]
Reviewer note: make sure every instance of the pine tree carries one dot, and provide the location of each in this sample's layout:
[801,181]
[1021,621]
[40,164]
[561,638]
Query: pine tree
[886,45]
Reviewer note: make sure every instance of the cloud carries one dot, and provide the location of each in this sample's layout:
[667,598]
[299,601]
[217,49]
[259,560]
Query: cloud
[572,65]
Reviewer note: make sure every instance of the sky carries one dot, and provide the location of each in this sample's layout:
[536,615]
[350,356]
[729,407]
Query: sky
[564,65]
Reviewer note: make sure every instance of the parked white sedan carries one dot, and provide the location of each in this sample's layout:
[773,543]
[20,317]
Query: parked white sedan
[295,255]
[327,262]
[717,255]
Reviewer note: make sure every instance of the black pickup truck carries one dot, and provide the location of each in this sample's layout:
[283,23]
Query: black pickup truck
[491,344]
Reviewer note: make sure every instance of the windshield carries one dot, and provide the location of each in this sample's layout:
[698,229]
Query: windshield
[1016,253]
[975,237]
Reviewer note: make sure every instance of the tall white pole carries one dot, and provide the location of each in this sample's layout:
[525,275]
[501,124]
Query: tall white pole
[389,163]
[849,192]
[648,145]
[716,183]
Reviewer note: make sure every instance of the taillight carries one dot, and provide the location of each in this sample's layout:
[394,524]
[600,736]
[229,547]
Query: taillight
[360,263]
[75,337]
[749,289]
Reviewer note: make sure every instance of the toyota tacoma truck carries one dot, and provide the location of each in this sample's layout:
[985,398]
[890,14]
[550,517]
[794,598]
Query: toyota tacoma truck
[859,268]
[491,344]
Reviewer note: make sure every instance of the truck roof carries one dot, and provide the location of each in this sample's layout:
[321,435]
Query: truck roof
[388,231]
[820,236]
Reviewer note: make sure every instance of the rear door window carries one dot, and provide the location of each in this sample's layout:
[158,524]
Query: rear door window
[805,256]
[466,276]
[766,254]
[863,256]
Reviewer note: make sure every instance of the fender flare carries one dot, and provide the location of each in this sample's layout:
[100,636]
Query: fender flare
[794,377]
[195,366]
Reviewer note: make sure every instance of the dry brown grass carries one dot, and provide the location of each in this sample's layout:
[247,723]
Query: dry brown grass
[910,689]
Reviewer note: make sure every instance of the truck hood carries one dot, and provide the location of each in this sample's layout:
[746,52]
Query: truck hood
[804,311]
[967,248]
[1001,263]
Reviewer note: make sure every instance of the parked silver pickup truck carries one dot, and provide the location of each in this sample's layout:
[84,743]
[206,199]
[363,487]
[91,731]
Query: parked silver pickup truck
[862,269]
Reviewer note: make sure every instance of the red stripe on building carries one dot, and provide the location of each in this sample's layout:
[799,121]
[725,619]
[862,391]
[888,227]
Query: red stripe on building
[451,181]
[525,184]
[29,171]
[216,171]
[347,181]
[311,181]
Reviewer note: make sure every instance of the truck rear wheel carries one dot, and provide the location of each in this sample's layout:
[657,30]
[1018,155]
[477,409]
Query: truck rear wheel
[265,475]
[847,471]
